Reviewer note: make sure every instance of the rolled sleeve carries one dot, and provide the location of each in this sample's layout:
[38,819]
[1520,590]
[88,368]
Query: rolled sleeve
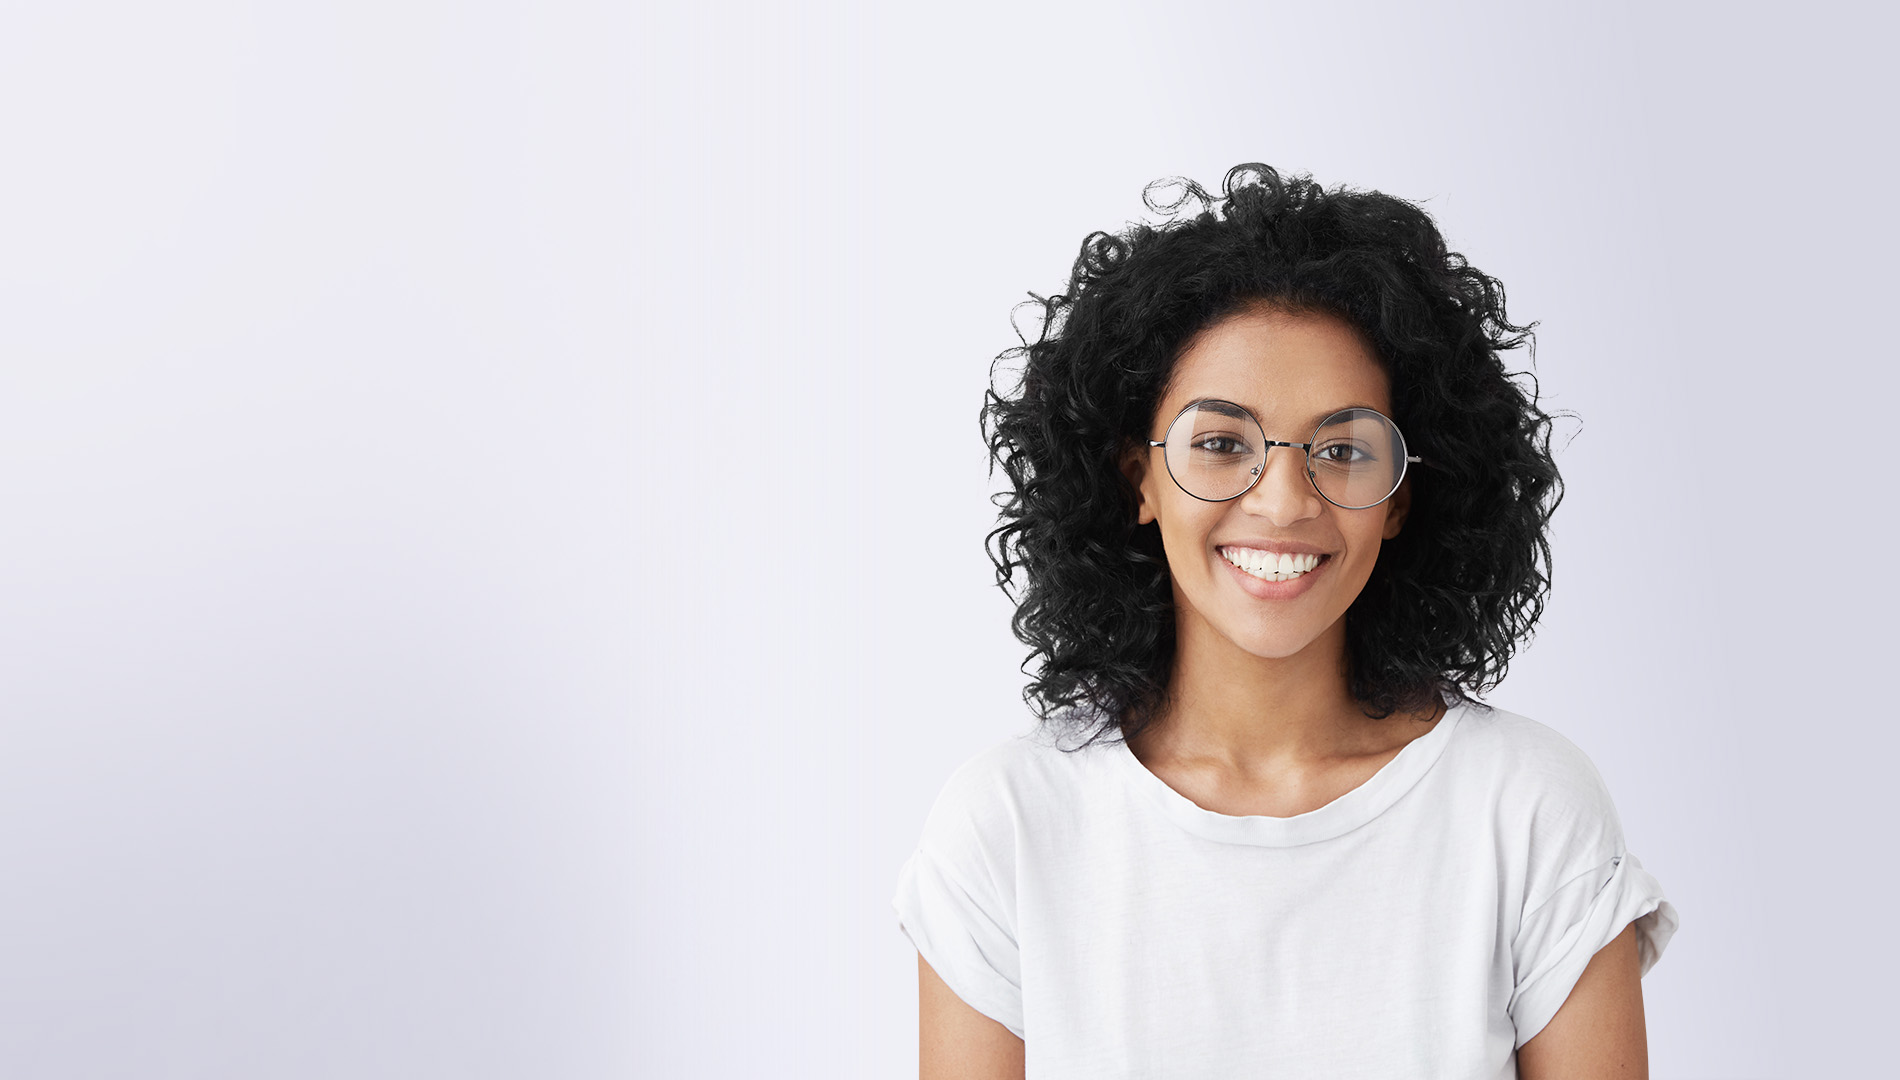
[956,927]
[1557,940]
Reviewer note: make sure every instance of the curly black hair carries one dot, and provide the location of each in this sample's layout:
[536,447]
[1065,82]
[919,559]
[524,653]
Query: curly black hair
[1449,599]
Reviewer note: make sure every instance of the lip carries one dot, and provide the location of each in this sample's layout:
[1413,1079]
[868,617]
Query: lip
[1278,547]
[1276,590]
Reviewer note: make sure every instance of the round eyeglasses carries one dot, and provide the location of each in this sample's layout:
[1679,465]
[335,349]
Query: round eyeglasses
[1217,451]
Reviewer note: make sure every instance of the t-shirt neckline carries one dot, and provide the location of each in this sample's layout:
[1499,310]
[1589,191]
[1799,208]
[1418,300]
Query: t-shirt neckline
[1336,818]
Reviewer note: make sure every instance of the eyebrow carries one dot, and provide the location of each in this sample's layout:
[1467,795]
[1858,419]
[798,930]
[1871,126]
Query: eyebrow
[1223,407]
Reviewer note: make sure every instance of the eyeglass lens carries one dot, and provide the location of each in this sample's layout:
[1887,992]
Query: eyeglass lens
[1216,449]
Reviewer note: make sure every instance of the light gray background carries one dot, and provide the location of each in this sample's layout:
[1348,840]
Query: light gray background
[491,572]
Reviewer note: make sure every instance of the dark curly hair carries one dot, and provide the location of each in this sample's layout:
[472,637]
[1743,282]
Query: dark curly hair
[1449,599]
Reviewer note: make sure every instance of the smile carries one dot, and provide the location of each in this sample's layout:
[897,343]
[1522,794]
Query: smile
[1268,565]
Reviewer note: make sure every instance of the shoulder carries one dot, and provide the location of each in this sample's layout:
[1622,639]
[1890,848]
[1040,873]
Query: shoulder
[1015,790]
[1526,757]
[1015,777]
[1543,789]
[997,809]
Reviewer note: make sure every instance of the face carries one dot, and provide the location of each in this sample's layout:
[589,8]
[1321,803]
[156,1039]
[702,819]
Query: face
[1290,371]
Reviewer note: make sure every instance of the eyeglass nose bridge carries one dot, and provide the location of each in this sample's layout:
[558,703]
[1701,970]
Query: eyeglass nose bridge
[1306,462]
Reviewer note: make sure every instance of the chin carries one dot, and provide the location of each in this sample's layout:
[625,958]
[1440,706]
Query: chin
[1270,640]
[1268,635]
[1272,647]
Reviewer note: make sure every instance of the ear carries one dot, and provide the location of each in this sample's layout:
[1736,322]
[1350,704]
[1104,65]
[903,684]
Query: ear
[1135,466]
[1396,508]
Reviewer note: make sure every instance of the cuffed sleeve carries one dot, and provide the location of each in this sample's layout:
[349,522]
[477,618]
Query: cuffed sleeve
[956,895]
[1557,940]
[958,930]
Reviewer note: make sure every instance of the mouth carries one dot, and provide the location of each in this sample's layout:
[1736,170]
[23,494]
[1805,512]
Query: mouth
[1272,565]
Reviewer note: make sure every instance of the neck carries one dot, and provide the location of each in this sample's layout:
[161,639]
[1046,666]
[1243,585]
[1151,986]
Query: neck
[1244,710]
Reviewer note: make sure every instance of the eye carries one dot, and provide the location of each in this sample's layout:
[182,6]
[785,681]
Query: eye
[1219,445]
[1342,453]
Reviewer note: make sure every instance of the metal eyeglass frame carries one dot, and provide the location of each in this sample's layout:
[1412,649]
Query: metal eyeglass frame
[1305,448]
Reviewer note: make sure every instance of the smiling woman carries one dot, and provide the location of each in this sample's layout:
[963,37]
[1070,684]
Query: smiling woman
[1279,516]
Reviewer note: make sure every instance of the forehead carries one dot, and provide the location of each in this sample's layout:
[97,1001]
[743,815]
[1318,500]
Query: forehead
[1286,369]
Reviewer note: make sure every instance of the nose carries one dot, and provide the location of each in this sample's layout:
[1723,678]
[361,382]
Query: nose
[1285,494]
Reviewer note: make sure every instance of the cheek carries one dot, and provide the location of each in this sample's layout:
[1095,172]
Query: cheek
[1186,526]
[1367,538]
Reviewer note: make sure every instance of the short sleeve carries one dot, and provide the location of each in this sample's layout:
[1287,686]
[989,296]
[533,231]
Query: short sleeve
[1584,887]
[955,900]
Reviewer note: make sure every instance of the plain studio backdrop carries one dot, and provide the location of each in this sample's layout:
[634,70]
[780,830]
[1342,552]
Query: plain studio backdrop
[491,571]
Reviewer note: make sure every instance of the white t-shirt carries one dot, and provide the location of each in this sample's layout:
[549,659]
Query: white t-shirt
[1425,924]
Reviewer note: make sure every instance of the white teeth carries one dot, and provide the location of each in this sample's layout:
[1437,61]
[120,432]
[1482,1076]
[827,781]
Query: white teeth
[1269,566]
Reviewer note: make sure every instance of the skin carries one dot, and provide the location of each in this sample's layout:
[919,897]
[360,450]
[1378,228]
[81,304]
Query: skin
[1263,721]
[955,1042]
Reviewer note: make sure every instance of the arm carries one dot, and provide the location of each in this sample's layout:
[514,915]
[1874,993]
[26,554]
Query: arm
[955,1042]
[1598,1034]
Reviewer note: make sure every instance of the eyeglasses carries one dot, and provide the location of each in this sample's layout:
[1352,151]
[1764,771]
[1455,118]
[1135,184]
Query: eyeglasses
[1217,451]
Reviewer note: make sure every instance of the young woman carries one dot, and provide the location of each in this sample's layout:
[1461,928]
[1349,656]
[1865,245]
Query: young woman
[1280,512]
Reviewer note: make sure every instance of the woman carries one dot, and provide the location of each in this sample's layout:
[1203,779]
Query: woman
[1280,513]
